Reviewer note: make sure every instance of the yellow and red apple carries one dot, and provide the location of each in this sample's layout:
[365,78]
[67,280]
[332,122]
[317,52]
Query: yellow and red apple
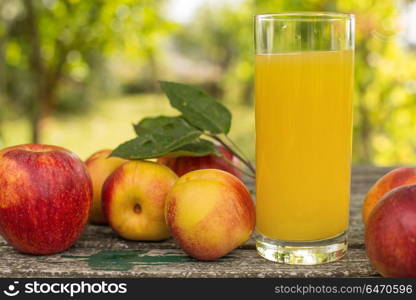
[45,198]
[209,213]
[134,200]
[395,178]
[100,167]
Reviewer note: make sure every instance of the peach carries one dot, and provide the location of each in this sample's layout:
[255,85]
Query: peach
[184,164]
[100,166]
[397,177]
[209,213]
[390,234]
[134,200]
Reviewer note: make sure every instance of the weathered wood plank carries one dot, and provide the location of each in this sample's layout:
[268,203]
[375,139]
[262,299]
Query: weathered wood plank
[100,253]
[169,263]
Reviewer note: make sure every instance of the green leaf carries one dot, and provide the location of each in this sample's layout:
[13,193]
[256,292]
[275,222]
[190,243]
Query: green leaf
[150,124]
[159,142]
[198,108]
[200,147]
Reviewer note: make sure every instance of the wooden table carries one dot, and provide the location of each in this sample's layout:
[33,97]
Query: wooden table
[100,253]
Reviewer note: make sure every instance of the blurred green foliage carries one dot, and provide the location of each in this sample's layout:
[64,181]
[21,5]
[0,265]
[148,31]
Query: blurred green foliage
[54,52]
[63,60]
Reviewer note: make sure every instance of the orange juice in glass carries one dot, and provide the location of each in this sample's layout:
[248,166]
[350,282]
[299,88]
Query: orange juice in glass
[303,94]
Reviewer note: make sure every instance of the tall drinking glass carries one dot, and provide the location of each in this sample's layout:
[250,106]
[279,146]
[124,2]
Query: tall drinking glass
[303,92]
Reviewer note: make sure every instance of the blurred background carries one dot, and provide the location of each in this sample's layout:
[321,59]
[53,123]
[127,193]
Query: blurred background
[78,73]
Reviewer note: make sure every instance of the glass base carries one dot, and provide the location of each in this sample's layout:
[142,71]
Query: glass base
[302,253]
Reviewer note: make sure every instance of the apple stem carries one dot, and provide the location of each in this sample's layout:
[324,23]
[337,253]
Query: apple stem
[246,162]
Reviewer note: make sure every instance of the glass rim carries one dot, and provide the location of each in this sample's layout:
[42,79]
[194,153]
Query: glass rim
[306,16]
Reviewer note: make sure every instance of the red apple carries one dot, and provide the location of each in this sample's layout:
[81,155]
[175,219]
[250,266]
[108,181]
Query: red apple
[45,198]
[390,234]
[185,164]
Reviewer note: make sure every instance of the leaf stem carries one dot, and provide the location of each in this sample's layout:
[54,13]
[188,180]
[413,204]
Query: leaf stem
[236,167]
[236,147]
[244,161]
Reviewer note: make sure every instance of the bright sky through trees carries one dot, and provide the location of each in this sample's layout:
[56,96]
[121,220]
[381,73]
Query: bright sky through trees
[182,10]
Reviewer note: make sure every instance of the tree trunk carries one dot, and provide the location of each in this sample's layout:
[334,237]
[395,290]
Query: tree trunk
[3,83]
[3,39]
[3,78]
[365,135]
[153,70]
[37,70]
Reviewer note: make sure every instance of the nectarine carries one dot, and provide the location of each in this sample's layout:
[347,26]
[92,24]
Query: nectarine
[209,213]
[397,177]
[134,200]
[100,166]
